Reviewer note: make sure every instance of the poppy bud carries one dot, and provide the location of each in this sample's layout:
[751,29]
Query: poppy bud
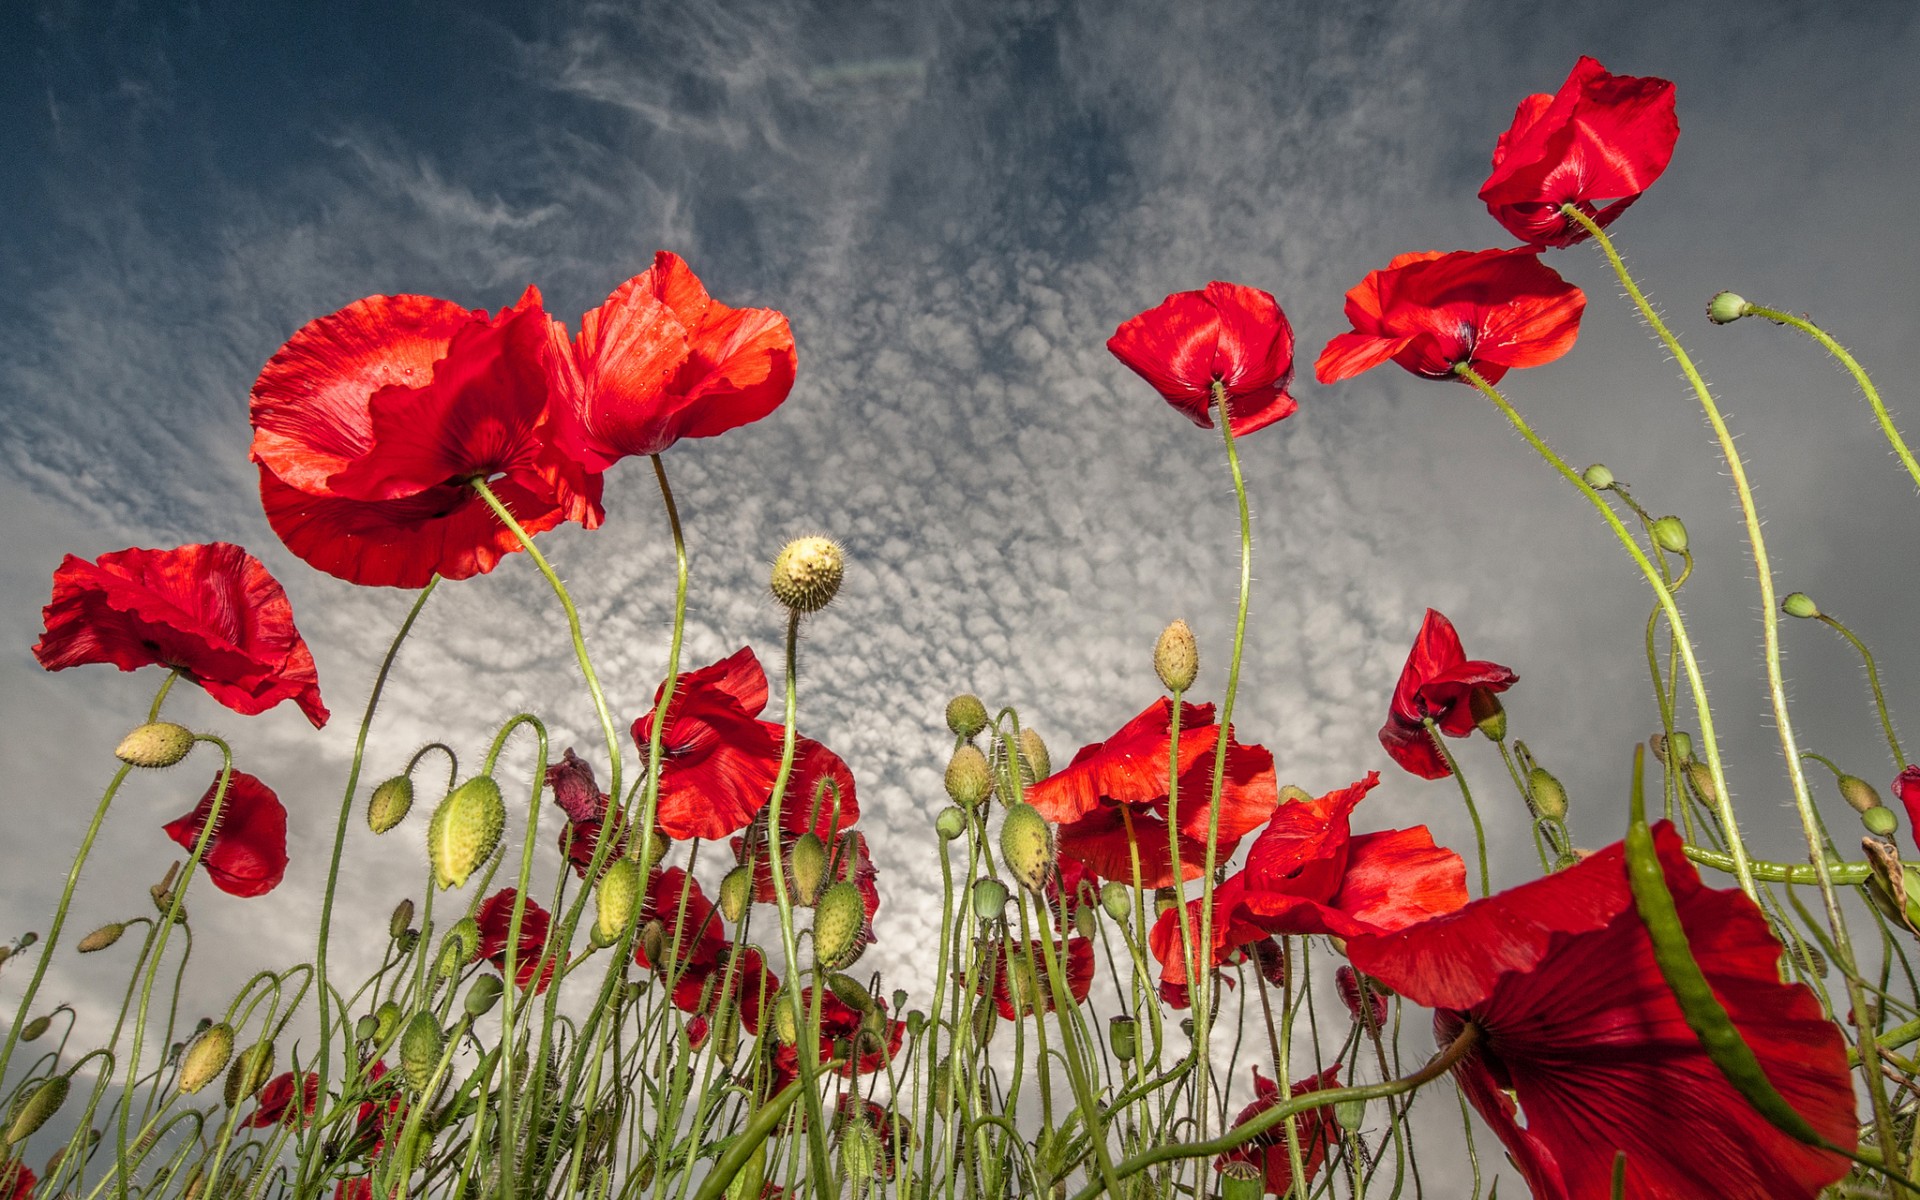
[1808,956]
[849,991]
[401,920]
[36,1029]
[736,893]
[616,898]
[389,804]
[1124,1034]
[1026,843]
[1035,763]
[837,921]
[1289,794]
[1858,793]
[1598,477]
[1881,822]
[1488,715]
[1680,745]
[1727,307]
[807,573]
[1241,1180]
[365,1028]
[1176,657]
[969,778]
[155,744]
[33,1112]
[465,830]
[653,941]
[985,1019]
[102,937]
[1799,604]
[482,995]
[1670,534]
[1702,780]
[29,938]
[989,899]
[1549,798]
[1163,901]
[420,1048]
[1114,899]
[459,946]
[966,715]
[950,824]
[205,1057]
[386,1021]
[1350,1114]
[163,896]
[786,1020]
[916,1022]
[859,1152]
[1083,920]
[249,1072]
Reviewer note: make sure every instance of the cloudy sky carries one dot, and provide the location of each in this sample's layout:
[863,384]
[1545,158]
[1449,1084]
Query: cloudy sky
[955,204]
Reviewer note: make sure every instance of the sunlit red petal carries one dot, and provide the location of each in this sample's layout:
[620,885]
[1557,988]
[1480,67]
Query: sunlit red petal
[247,855]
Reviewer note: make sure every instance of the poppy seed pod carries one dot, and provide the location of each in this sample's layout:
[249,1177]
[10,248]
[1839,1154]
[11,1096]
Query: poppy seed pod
[390,803]
[102,937]
[154,745]
[1727,307]
[969,778]
[465,830]
[483,995]
[1858,793]
[249,1072]
[205,1057]
[1598,477]
[420,1048]
[989,899]
[950,824]
[40,1105]
[1035,763]
[1670,534]
[401,920]
[807,573]
[1881,822]
[1124,1034]
[1026,843]
[807,863]
[1350,1114]
[1115,900]
[966,715]
[616,898]
[1799,604]
[837,922]
[736,893]
[1176,657]
[1549,798]
[1241,1180]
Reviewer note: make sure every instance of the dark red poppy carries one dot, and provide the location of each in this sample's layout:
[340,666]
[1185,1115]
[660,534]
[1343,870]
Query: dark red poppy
[1071,887]
[662,360]
[753,987]
[1597,144]
[17,1180]
[839,1029]
[1438,681]
[692,935]
[575,789]
[820,799]
[383,1112]
[211,612]
[495,919]
[248,853]
[276,1101]
[718,760]
[1366,999]
[1226,333]
[1316,1131]
[1906,789]
[851,1108]
[370,423]
[1112,799]
[1492,310]
[1578,1024]
[359,1187]
[1020,980]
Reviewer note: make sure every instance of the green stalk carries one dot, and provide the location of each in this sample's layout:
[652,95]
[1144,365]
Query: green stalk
[1466,794]
[1873,680]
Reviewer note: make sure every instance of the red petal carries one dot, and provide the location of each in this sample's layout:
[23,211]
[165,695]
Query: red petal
[247,855]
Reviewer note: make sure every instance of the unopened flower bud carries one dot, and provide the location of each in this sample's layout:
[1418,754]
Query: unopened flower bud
[653,941]
[1083,920]
[1176,657]
[969,778]
[786,1020]
[1115,900]
[736,893]
[1858,793]
[389,804]
[837,923]
[29,938]
[1123,1032]
[1881,822]
[249,1072]
[36,1029]
[1241,1180]
[465,830]
[1670,534]
[859,1152]
[458,947]
[916,1022]
[850,992]
[1163,901]
[365,1028]
[102,937]
[40,1105]
[386,1021]
[1488,714]
[401,920]
[989,899]
[985,1019]
[420,1048]
[1702,780]
[1799,604]
[1681,746]
[1727,307]
[1598,477]
[205,1057]
[807,863]
[155,744]
[950,824]
[1035,763]
[483,994]
[616,899]
[807,573]
[1026,844]
[966,715]
[1549,798]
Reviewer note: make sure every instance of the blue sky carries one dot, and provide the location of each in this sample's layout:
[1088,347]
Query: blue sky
[955,204]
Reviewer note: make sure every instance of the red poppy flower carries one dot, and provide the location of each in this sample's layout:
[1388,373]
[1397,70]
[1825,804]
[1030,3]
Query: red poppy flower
[1316,1130]
[662,360]
[359,1187]
[1113,797]
[276,1101]
[1438,681]
[17,1180]
[370,423]
[1577,1023]
[1366,999]
[248,853]
[575,789]
[1906,789]
[495,919]
[692,933]
[381,1113]
[718,760]
[1493,310]
[1599,138]
[211,612]
[851,1108]
[839,1029]
[1022,985]
[753,987]
[1228,334]
[821,799]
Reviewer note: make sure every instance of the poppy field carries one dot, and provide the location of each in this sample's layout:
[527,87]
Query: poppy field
[648,967]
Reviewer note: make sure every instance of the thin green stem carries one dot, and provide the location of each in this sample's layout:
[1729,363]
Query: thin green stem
[1873,680]
[1859,376]
[1466,794]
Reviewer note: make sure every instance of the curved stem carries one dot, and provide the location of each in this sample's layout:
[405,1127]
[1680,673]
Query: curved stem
[1771,872]
[1873,680]
[1466,794]
[1859,376]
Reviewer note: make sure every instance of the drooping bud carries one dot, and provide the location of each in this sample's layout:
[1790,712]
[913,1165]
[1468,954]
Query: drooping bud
[163,896]
[1488,714]
[1727,307]
[1670,534]
[1702,780]
[969,778]
[850,992]
[786,1020]
[1549,798]
[837,923]
[1881,822]
[401,920]
[482,995]
[1858,793]
[465,830]
[1241,1180]
[616,899]
[1799,604]
[1809,956]
[154,745]
[102,937]
[807,863]
[1035,763]
[989,899]
[365,1028]
[1598,477]
[457,948]
[249,1072]
[859,1152]
[736,893]
[985,1019]
[1681,746]
[1083,920]
[966,715]
[653,941]
[1026,844]
[1176,657]
[950,824]
[1124,1034]
[37,1028]
[386,1021]
[205,1057]
[1289,794]
[807,573]
[420,1048]
[1115,900]
[40,1105]
[390,803]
